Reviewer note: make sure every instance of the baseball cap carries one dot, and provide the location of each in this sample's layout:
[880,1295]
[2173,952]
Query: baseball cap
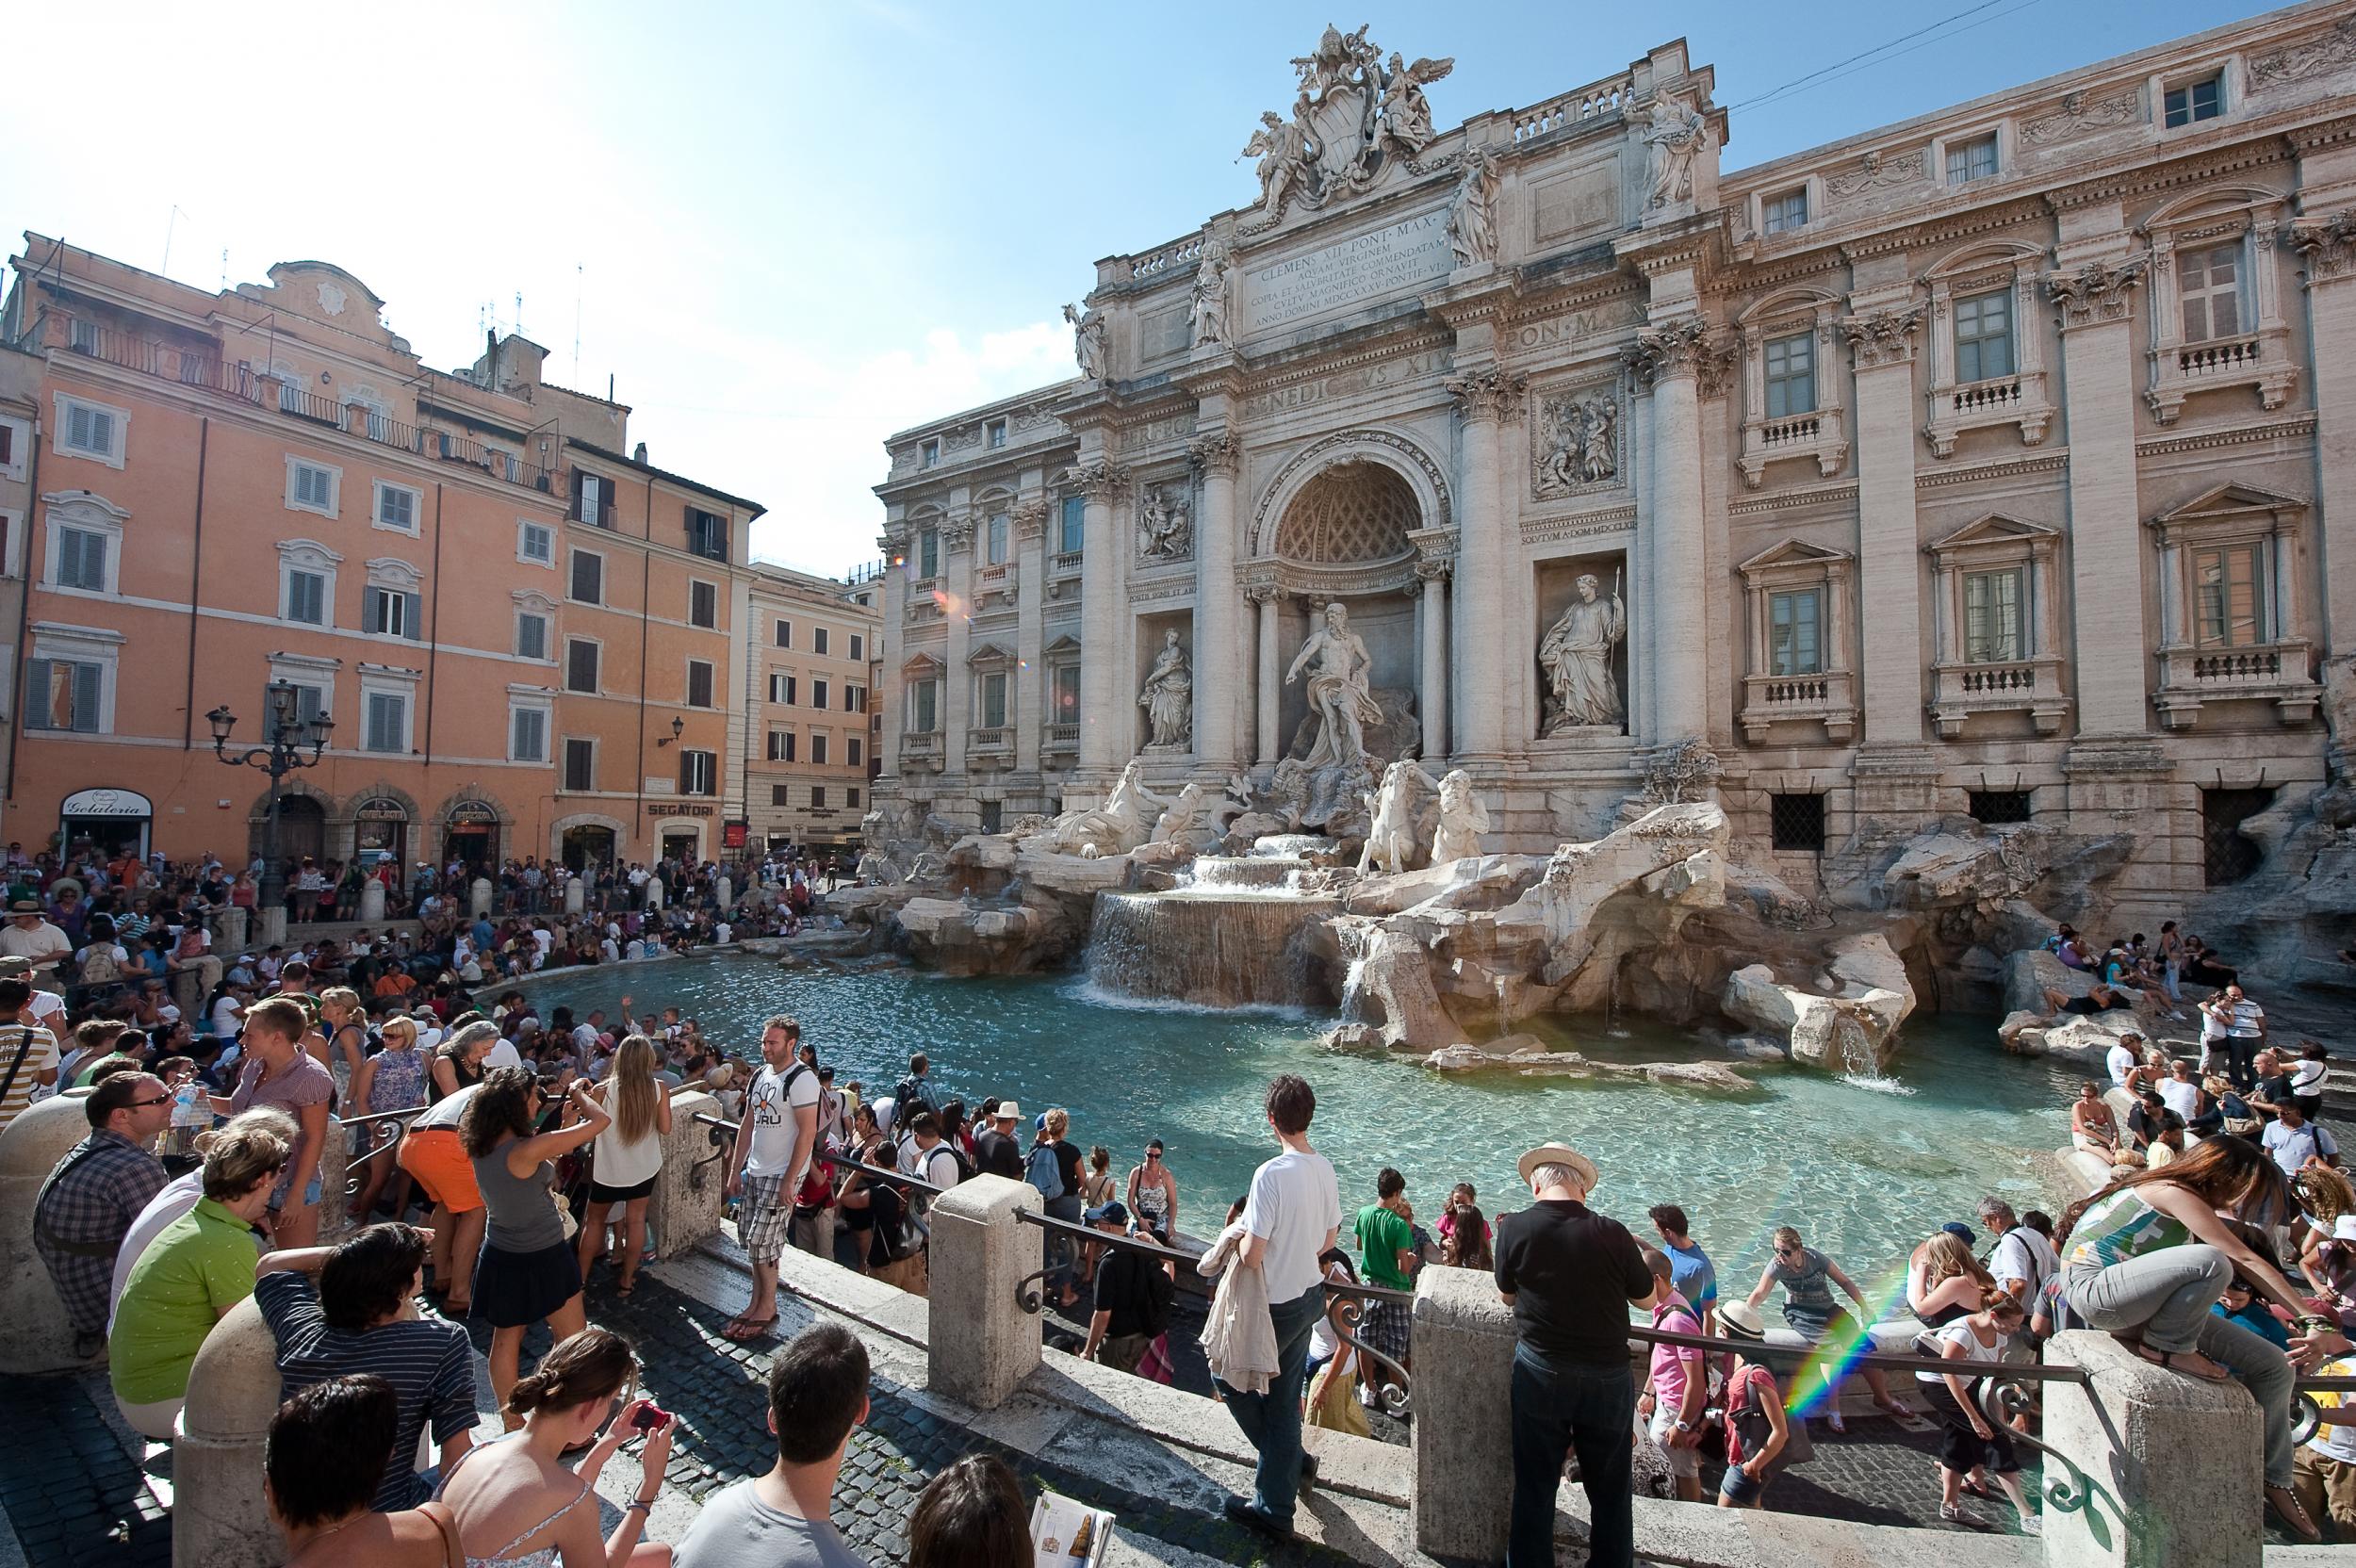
[1107,1214]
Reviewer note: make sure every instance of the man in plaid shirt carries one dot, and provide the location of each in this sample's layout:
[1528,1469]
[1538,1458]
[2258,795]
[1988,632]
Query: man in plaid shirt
[95,1193]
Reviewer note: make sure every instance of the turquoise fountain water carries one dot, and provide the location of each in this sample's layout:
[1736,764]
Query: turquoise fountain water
[1863,1174]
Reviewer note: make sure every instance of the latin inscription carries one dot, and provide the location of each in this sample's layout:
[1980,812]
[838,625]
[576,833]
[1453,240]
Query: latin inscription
[1579,326]
[1345,383]
[1364,267]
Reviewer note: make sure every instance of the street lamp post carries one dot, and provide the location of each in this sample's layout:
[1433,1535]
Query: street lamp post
[287,734]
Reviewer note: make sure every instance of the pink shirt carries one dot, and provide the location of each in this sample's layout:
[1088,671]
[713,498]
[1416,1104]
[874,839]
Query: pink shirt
[1674,1367]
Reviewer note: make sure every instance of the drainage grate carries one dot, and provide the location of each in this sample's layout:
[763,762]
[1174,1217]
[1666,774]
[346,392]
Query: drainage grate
[1797,821]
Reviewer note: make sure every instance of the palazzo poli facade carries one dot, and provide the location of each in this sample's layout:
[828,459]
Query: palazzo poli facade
[2000,461]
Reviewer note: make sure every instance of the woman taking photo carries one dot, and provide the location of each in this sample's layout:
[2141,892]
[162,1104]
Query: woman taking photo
[186,1280]
[2148,1256]
[626,1156]
[392,1080]
[514,1503]
[526,1273]
[1973,1442]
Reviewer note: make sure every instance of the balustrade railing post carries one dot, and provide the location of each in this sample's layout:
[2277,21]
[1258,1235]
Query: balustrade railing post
[689,1189]
[1463,1345]
[219,1519]
[2170,1466]
[979,1342]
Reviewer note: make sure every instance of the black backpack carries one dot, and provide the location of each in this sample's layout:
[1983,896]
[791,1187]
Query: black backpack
[890,1240]
[908,1092]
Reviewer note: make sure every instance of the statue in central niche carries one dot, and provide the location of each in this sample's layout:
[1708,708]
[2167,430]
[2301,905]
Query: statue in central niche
[1576,658]
[1340,695]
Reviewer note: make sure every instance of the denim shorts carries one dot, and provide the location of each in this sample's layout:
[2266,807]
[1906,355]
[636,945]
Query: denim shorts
[1738,1488]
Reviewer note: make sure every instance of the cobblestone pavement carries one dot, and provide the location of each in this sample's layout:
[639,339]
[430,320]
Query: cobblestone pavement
[73,1480]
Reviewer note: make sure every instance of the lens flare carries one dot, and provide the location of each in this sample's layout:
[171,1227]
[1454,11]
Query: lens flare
[1818,1381]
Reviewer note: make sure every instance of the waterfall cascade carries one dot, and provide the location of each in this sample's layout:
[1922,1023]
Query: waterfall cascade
[1228,936]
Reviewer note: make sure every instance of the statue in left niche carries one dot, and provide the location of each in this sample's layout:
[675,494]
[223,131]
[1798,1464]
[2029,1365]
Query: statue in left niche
[1088,339]
[1210,295]
[1680,130]
[1169,695]
[1165,527]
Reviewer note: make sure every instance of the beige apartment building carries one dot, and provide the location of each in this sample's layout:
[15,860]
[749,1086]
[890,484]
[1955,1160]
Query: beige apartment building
[810,647]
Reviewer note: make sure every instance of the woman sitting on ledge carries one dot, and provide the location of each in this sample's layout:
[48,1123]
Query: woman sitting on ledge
[2148,1256]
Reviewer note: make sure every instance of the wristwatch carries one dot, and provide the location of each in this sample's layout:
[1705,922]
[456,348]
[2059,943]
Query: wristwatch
[1685,1426]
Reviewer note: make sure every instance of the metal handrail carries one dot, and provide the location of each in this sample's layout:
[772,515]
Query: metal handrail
[1762,1351]
[402,1113]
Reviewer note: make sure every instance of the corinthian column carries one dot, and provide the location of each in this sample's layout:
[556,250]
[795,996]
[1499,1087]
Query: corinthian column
[1106,730]
[1431,582]
[957,681]
[1217,660]
[1027,701]
[2105,536]
[1674,593]
[1271,603]
[1486,399]
[2327,254]
[1890,546]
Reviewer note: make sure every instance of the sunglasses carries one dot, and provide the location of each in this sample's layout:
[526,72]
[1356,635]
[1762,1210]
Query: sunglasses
[143,1105]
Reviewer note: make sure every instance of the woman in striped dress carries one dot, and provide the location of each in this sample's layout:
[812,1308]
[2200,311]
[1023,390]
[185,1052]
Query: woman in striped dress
[2147,1257]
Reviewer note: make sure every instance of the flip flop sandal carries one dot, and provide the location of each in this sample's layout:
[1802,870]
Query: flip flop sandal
[744,1331]
[2292,1512]
[2167,1359]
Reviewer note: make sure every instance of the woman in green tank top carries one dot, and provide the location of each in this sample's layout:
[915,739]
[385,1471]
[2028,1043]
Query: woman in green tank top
[2147,1257]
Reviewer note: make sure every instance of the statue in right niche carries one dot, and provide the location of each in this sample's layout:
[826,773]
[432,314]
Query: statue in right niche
[1576,656]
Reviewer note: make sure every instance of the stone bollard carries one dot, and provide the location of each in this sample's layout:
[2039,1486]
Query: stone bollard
[1464,1443]
[372,901]
[479,897]
[231,926]
[335,1194]
[980,1343]
[219,1519]
[2167,1466]
[576,895]
[724,894]
[40,1338]
[654,893]
[687,1199]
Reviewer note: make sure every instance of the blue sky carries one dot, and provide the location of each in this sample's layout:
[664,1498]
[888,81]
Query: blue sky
[792,229]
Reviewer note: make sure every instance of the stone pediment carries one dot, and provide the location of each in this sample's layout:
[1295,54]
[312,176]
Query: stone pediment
[2228,500]
[1066,643]
[921,664]
[987,655]
[1993,529]
[1792,552]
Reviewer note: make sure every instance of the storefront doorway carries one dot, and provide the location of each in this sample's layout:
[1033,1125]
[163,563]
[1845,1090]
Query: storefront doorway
[470,835]
[301,830]
[584,849]
[380,832]
[679,845]
[109,822]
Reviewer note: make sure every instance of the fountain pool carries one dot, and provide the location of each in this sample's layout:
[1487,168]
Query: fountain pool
[1863,1174]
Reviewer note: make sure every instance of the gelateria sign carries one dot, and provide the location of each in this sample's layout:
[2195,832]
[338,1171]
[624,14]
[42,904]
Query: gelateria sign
[107,802]
[1399,256]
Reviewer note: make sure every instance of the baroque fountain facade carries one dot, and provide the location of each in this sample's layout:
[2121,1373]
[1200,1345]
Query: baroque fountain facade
[1518,568]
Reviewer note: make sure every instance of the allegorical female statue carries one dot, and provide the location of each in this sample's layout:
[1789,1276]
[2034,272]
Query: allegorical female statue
[1339,697]
[1169,695]
[1576,658]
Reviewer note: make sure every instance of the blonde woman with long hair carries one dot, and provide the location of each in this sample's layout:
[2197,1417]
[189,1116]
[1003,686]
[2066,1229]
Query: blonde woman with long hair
[626,1156]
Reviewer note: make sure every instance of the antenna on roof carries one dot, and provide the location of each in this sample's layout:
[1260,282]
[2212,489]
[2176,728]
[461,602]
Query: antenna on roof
[519,312]
[577,286]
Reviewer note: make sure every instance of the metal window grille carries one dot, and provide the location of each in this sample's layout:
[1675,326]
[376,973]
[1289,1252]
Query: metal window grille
[1797,821]
[1996,807]
[2228,854]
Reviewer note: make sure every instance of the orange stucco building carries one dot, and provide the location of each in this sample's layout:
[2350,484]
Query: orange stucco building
[527,641]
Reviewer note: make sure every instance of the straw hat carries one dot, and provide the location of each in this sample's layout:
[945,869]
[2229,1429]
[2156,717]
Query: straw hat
[1581,1168]
[1740,1320]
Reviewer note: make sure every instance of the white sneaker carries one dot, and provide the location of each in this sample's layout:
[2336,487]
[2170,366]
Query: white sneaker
[1832,1419]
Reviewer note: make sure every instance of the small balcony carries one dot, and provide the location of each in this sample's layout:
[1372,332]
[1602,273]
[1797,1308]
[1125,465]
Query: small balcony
[2266,672]
[1063,740]
[2015,399]
[1827,697]
[919,751]
[1064,563]
[989,748]
[1818,434]
[2261,359]
[2032,686]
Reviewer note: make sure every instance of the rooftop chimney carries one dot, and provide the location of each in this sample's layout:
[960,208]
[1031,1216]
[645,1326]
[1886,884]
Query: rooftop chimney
[639,456]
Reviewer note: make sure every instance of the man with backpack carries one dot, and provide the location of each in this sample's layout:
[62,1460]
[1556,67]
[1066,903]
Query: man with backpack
[774,1143]
[912,1094]
[930,1157]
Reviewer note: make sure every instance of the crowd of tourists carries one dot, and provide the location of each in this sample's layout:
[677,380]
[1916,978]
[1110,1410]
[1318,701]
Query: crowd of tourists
[534,1161]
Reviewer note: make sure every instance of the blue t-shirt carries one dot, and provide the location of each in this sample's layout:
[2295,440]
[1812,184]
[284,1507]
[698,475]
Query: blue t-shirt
[2258,1321]
[1692,1273]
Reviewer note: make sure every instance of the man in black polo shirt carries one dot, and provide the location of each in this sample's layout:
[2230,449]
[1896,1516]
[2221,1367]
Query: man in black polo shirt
[995,1152]
[1570,1276]
[1133,1295]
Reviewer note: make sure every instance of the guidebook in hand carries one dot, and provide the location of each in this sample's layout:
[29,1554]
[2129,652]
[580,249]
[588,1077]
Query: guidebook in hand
[1065,1534]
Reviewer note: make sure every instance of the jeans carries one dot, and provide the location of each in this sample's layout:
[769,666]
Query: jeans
[1563,1410]
[2167,1294]
[1272,1421]
[1063,1251]
[2245,1059]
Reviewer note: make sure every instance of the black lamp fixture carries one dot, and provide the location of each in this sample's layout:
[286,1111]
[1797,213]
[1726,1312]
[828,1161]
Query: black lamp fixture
[677,725]
[289,735]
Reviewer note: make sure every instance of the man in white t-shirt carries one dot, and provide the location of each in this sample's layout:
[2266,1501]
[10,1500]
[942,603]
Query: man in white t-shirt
[2122,1060]
[1291,1216]
[2023,1259]
[774,1144]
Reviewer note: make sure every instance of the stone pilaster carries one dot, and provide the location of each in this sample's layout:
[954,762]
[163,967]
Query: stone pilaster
[1030,674]
[889,690]
[1431,584]
[1671,356]
[1883,343]
[2105,532]
[1105,724]
[1486,399]
[1218,654]
[2325,247]
[957,681]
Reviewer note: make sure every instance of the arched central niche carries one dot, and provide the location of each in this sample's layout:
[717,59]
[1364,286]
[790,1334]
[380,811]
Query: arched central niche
[1352,513]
